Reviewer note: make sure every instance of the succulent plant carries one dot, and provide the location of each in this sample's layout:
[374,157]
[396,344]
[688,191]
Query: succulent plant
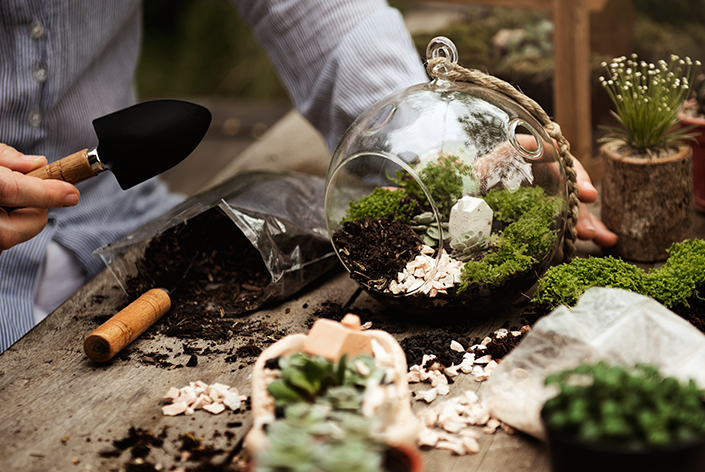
[469,244]
[322,428]
[426,226]
[314,437]
[635,408]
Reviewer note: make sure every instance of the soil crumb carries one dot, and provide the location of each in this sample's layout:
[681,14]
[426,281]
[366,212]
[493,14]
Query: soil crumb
[191,452]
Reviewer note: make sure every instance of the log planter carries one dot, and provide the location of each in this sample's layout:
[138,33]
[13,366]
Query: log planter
[647,201]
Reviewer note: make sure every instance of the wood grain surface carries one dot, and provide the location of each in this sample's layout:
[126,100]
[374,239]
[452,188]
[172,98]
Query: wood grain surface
[73,169]
[60,410]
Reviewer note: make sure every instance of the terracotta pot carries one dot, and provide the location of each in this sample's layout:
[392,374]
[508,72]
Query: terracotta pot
[647,202]
[698,156]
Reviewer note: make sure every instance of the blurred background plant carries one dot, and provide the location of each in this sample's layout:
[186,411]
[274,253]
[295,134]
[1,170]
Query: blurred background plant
[203,47]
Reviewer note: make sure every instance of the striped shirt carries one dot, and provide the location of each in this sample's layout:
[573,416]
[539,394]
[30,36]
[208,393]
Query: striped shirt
[65,63]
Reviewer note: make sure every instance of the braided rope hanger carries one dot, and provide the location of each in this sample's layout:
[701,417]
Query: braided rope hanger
[439,66]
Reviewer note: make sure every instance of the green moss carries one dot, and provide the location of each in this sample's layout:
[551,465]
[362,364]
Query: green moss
[509,206]
[526,239]
[496,267]
[679,279]
[443,179]
[381,203]
[564,284]
[533,228]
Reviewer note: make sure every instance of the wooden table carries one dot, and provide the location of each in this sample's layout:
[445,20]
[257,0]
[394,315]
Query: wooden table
[59,410]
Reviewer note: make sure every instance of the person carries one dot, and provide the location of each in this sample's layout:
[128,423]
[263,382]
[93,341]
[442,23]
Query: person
[63,66]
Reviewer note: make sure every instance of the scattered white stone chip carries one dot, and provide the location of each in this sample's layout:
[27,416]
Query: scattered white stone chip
[430,395]
[201,396]
[215,408]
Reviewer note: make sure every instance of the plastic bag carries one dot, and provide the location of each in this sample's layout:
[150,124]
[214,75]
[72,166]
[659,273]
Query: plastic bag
[281,214]
[608,324]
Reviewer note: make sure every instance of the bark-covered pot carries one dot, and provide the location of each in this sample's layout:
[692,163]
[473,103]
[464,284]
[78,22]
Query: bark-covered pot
[647,201]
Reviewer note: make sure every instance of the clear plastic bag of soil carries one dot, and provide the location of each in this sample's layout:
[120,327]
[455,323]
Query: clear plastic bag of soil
[620,327]
[270,225]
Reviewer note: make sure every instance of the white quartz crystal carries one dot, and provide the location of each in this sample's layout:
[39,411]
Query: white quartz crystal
[470,214]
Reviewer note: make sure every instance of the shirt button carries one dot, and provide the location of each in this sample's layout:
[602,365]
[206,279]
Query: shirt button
[35,117]
[36,29]
[40,74]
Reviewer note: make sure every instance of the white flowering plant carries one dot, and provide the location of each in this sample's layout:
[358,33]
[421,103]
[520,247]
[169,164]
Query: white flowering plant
[648,98]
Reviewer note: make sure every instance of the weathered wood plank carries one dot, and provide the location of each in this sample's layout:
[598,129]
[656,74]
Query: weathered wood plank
[51,391]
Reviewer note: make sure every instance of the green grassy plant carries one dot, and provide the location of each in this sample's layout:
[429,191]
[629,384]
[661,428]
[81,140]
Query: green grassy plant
[648,98]
[632,408]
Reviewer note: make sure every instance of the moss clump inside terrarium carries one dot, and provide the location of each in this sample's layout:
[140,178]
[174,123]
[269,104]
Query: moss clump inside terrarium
[443,179]
[673,284]
[528,237]
[382,203]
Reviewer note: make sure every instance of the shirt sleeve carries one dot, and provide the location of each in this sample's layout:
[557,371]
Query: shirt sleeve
[336,57]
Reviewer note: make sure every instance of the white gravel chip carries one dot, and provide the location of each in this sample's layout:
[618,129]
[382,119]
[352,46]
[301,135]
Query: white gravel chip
[199,395]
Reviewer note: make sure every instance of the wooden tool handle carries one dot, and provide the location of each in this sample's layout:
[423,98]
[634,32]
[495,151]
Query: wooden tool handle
[73,169]
[123,328]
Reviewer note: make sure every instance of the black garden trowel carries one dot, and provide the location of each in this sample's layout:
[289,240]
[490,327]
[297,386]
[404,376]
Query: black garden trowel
[136,143]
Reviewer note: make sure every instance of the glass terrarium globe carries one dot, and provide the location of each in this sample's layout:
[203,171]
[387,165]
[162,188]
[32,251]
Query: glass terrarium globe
[446,195]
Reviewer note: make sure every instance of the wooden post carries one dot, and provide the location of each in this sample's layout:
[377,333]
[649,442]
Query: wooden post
[571,88]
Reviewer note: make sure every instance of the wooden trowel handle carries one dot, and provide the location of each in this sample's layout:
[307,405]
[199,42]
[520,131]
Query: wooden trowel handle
[123,328]
[73,169]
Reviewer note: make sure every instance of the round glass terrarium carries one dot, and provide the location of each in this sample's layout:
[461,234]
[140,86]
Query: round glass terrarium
[446,195]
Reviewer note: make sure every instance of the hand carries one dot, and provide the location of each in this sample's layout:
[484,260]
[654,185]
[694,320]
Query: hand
[588,226]
[33,196]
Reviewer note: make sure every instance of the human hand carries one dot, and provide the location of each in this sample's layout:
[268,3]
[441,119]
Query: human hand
[32,197]
[589,227]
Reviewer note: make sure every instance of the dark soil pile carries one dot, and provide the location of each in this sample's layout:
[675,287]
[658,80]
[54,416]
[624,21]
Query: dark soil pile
[336,312]
[225,281]
[376,249]
[695,312]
